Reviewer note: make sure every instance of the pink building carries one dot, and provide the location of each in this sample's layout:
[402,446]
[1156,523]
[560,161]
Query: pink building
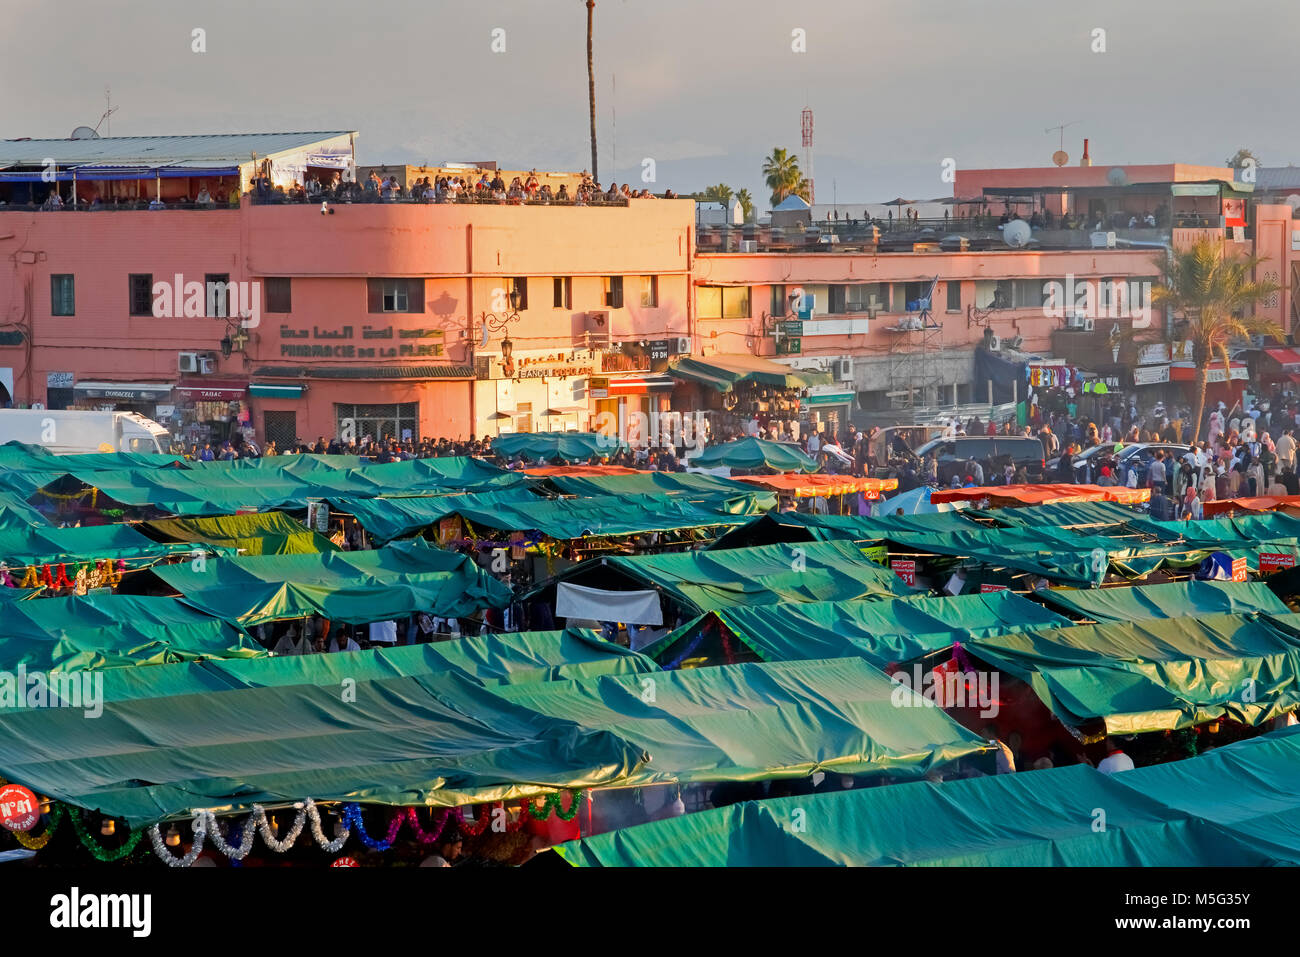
[399,318]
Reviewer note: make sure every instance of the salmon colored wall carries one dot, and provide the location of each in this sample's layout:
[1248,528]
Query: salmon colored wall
[444,406]
[972,182]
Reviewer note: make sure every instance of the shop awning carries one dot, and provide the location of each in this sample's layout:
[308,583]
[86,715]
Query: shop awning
[211,390]
[1288,359]
[842,397]
[724,372]
[1264,503]
[810,486]
[130,391]
[267,390]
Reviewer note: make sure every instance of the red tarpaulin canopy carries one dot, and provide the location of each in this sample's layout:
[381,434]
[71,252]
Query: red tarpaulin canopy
[1042,494]
[1262,503]
[809,486]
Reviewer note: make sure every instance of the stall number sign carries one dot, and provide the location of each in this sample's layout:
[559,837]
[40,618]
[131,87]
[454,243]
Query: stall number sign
[19,809]
[1270,562]
[985,589]
[1239,569]
[905,570]
[345,862]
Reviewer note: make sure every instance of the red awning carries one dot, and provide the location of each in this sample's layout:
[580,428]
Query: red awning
[1187,373]
[211,390]
[641,384]
[1003,495]
[1285,358]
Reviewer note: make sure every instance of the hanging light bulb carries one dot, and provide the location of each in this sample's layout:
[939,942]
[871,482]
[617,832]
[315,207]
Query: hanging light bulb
[45,806]
[274,827]
[108,827]
[173,836]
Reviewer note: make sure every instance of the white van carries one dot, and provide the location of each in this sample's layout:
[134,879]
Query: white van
[66,431]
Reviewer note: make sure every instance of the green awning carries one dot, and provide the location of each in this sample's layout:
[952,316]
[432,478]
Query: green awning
[1157,674]
[701,581]
[725,372]
[111,631]
[693,485]
[829,398]
[354,587]
[1196,189]
[1090,517]
[22,543]
[751,453]
[1189,599]
[884,632]
[387,518]
[268,533]
[1234,807]
[810,527]
[267,390]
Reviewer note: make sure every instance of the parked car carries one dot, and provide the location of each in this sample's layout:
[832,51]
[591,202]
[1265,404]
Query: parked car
[1135,456]
[992,452]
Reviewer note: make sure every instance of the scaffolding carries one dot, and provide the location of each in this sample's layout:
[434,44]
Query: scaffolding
[916,344]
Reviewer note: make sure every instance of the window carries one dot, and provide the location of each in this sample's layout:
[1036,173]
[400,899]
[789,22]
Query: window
[217,285]
[519,293]
[562,292]
[780,305]
[395,295]
[278,295]
[650,291]
[62,295]
[722,302]
[1029,293]
[954,295]
[379,421]
[140,293]
[835,300]
[280,428]
[614,292]
[862,296]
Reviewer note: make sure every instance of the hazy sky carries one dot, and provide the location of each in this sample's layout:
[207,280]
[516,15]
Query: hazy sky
[704,87]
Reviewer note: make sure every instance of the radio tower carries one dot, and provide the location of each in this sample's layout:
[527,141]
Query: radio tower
[806,127]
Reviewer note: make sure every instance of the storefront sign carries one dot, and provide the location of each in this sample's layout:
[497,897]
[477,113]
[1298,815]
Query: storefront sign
[792,328]
[367,332]
[355,352]
[789,347]
[987,589]
[659,349]
[1270,562]
[1181,351]
[904,569]
[132,392]
[1239,569]
[318,517]
[877,553]
[221,390]
[1153,354]
[599,387]
[59,380]
[1151,375]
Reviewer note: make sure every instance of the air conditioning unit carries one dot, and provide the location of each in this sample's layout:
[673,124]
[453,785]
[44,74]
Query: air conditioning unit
[207,365]
[187,362]
[1103,240]
[1016,342]
[596,329]
[683,345]
[995,344]
[1075,319]
[843,370]
[749,245]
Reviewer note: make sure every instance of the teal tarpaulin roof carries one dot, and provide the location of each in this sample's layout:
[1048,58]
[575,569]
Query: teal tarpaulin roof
[1175,600]
[22,543]
[751,453]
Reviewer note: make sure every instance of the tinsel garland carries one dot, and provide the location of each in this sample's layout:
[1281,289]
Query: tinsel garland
[166,856]
[551,804]
[37,843]
[478,826]
[97,852]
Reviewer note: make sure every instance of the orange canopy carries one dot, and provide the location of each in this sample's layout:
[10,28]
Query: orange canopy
[1262,503]
[810,486]
[1042,494]
[583,471]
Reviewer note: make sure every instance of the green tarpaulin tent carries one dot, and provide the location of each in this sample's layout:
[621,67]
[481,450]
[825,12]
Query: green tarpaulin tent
[883,632]
[352,587]
[1175,600]
[22,543]
[556,446]
[752,454]
[651,483]
[702,581]
[758,721]
[1233,807]
[787,527]
[1090,517]
[269,533]
[725,372]
[388,518]
[1157,674]
[112,631]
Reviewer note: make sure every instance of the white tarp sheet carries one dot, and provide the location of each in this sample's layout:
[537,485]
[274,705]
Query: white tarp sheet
[597,604]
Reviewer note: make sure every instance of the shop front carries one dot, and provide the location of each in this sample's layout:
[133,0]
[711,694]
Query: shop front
[741,394]
[827,409]
[145,398]
[532,391]
[211,411]
[1221,385]
[635,405]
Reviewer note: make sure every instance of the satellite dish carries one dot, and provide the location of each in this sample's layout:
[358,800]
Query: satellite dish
[1116,176]
[483,341]
[84,133]
[1060,157]
[1016,233]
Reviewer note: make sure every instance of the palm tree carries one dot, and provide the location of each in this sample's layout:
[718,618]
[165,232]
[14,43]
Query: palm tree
[782,175]
[746,204]
[591,90]
[1214,290]
[719,194]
